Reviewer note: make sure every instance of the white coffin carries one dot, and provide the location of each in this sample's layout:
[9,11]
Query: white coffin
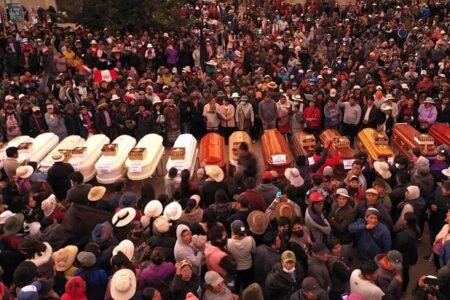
[86,163]
[42,145]
[110,168]
[189,143]
[68,143]
[142,169]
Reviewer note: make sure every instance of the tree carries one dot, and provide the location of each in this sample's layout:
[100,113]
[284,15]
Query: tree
[126,15]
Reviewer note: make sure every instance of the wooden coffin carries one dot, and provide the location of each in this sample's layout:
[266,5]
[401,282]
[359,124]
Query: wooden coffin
[406,138]
[303,144]
[341,144]
[440,133]
[212,150]
[234,142]
[276,153]
[375,143]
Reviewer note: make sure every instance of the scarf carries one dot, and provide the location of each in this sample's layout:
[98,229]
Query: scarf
[317,218]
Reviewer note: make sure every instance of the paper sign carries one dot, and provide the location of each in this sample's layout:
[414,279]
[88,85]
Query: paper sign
[348,163]
[391,160]
[311,161]
[105,169]
[76,166]
[279,159]
[135,168]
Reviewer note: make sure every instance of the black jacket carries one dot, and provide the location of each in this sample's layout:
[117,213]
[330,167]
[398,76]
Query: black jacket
[58,178]
[280,285]
[406,243]
[373,115]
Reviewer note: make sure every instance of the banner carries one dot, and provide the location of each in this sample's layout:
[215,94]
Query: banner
[15,12]
[105,75]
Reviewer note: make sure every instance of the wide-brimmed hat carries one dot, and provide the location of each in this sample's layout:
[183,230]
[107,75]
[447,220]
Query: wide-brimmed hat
[173,211]
[153,209]
[258,222]
[341,192]
[126,247]
[446,172]
[284,209]
[386,107]
[96,193]
[389,97]
[24,171]
[429,100]
[123,284]
[215,172]
[13,224]
[49,205]
[161,225]
[297,98]
[272,85]
[124,217]
[372,191]
[86,259]
[115,97]
[65,257]
[294,177]
[382,168]
[5,215]
[58,156]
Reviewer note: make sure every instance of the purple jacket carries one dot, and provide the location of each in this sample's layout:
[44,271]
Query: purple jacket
[427,114]
[155,276]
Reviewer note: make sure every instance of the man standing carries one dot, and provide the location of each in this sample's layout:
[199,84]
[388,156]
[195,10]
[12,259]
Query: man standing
[363,281]
[373,237]
[10,164]
[247,162]
[58,176]
[268,112]
[352,115]
[78,193]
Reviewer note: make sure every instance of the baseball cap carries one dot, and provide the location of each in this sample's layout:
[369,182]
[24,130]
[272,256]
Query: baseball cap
[316,197]
[238,227]
[266,175]
[288,256]
[395,259]
[310,284]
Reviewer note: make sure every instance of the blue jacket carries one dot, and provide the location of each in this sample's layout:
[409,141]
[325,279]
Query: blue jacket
[371,242]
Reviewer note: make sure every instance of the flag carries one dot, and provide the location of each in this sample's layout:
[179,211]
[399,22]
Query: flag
[105,75]
[83,69]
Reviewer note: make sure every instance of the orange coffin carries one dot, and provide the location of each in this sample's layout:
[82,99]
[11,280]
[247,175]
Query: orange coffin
[375,143]
[406,138]
[440,133]
[340,143]
[303,144]
[275,150]
[212,150]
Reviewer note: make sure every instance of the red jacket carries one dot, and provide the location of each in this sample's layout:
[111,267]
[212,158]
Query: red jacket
[312,113]
[330,161]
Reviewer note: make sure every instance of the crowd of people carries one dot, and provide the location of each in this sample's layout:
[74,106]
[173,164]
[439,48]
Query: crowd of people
[242,65]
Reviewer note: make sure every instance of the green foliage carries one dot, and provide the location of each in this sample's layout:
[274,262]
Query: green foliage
[126,15]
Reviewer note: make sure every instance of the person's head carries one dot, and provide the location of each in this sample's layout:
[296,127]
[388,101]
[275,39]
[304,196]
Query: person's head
[379,185]
[342,197]
[369,270]
[214,282]
[272,239]
[185,175]
[119,186]
[76,178]
[243,148]
[158,257]
[334,245]
[172,172]
[151,294]
[283,225]
[446,188]
[186,236]
[217,235]
[357,167]
[371,216]
[185,270]
[297,226]
[250,183]
[32,247]
[371,197]
[12,152]
[319,251]
[288,261]
[317,201]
